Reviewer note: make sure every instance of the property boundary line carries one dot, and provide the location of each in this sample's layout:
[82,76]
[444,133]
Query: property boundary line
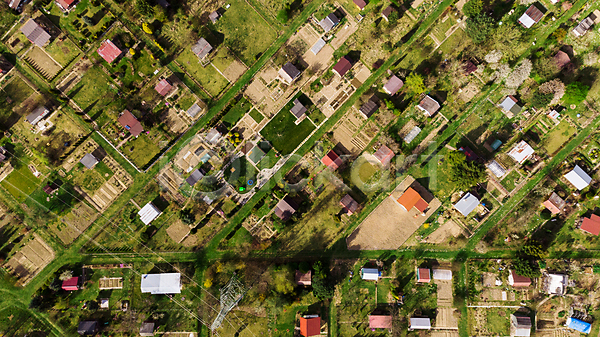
[119,152]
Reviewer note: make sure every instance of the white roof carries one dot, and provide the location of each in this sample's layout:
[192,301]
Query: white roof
[420,323]
[496,169]
[148,213]
[412,134]
[467,204]
[168,283]
[578,178]
[316,48]
[521,152]
[556,283]
[526,21]
[371,274]
[442,274]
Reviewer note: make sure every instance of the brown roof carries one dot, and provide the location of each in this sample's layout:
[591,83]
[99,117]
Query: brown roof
[469,67]
[285,208]
[591,224]
[310,326]
[412,198]
[561,59]
[332,160]
[109,51]
[384,155]
[343,65]
[520,281]
[423,275]
[163,87]
[303,279]
[393,85]
[380,321]
[554,204]
[387,11]
[360,3]
[534,13]
[5,66]
[429,105]
[130,123]
[349,204]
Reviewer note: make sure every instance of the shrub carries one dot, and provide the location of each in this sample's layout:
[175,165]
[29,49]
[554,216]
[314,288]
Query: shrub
[575,93]
[473,8]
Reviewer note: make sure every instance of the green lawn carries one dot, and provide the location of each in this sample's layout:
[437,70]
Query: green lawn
[246,33]
[62,52]
[21,183]
[18,90]
[143,150]
[186,100]
[208,77]
[510,180]
[101,18]
[317,116]
[60,202]
[94,92]
[223,59]
[239,173]
[256,115]
[269,160]
[236,112]
[282,131]
[555,139]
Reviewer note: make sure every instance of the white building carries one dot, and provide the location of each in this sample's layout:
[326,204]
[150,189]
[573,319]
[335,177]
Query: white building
[498,170]
[420,323]
[442,274]
[555,284]
[370,274]
[467,204]
[521,152]
[157,284]
[149,213]
[578,178]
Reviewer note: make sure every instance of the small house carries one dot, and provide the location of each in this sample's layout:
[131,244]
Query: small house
[518,281]
[555,284]
[423,275]
[214,17]
[591,225]
[521,152]
[202,48]
[148,213]
[384,155]
[370,107]
[561,59]
[380,322]
[3,154]
[420,323]
[147,329]
[194,110]
[329,22]
[342,67]
[554,204]
[498,170]
[163,87]
[578,178]
[303,279]
[361,4]
[130,123]
[89,161]
[411,198]
[255,154]
[213,136]
[109,51]
[579,325]
[71,284]
[299,111]
[35,33]
[510,107]
[87,328]
[414,132]
[332,160]
[370,274]
[467,204]
[469,67]
[387,12]
[442,274]
[161,284]
[288,73]
[316,48]
[393,85]
[349,205]
[195,177]
[429,106]
[585,25]
[66,5]
[5,66]
[37,115]
[14,4]
[104,303]
[531,16]
[285,208]
[520,325]
[310,325]
[50,188]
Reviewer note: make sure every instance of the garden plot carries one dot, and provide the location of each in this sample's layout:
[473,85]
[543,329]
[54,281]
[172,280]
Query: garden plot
[350,133]
[30,259]
[489,321]
[449,229]
[207,76]
[74,223]
[228,64]
[42,62]
[389,225]
[62,50]
[94,93]
[343,33]
[173,121]
[178,231]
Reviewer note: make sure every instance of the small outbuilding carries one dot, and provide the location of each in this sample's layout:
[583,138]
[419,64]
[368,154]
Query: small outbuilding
[130,123]
[332,160]
[148,213]
[202,48]
[37,115]
[387,12]
[342,66]
[384,155]
[195,177]
[66,5]
[370,107]
[109,51]
[429,106]
[411,198]
[520,325]
[498,170]
[213,136]
[561,59]
[380,321]
[555,204]
[531,16]
[303,279]
[467,204]
[555,284]
[147,329]
[299,111]
[423,275]
[420,323]
[393,85]
[35,33]
[161,284]
[214,17]
[288,73]
[370,274]
[414,132]
[310,325]
[578,178]
[591,225]
[579,325]
[163,87]
[521,152]
[87,328]
[442,274]
[510,106]
[518,281]
[329,22]
[89,161]
[349,205]
[285,208]
[316,48]
[71,284]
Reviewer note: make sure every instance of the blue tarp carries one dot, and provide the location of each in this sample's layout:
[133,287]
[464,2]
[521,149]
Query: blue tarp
[579,325]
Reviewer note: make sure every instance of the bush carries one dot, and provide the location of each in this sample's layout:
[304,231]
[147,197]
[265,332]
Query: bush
[473,8]
[575,93]
[540,100]
[284,14]
[479,28]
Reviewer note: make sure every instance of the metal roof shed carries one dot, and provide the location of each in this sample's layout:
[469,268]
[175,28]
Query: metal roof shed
[156,284]
[467,204]
[579,325]
[370,274]
[149,213]
[421,323]
[442,274]
[578,178]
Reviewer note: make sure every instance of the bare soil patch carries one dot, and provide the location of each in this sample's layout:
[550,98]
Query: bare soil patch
[178,231]
[449,229]
[234,71]
[42,62]
[174,122]
[30,259]
[75,223]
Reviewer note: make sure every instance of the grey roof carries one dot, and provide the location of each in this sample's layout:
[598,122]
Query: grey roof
[194,177]
[256,154]
[289,72]
[201,48]
[214,16]
[5,66]
[510,104]
[329,22]
[298,109]
[393,85]
[213,136]
[285,208]
[89,161]
[412,134]
[467,204]
[316,48]
[147,329]
[583,26]
[163,3]
[87,327]
[496,169]
[35,33]
[194,110]
[522,325]
[37,114]
[370,106]
[429,105]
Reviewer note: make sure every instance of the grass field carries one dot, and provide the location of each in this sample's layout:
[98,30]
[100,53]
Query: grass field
[222,59]
[186,100]
[510,180]
[62,51]
[100,17]
[555,139]
[18,90]
[236,112]
[143,150]
[246,33]
[256,115]
[208,77]
[93,92]
[282,131]
[21,183]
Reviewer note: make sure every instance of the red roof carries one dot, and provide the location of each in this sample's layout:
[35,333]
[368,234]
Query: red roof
[71,284]
[412,198]
[384,155]
[343,65]
[130,123]
[163,87]
[380,321]
[349,204]
[332,160]
[591,224]
[310,326]
[66,4]
[109,51]
[520,281]
[423,275]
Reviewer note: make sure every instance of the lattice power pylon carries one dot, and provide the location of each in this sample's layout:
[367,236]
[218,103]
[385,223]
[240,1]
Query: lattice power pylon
[231,294]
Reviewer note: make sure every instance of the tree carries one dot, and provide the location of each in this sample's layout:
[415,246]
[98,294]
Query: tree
[147,29]
[283,280]
[473,8]
[493,57]
[321,285]
[160,13]
[393,18]
[527,268]
[414,84]
[143,8]
[519,74]
[187,217]
[284,14]
[65,275]
[507,39]
[554,87]
[480,27]
[464,173]
[575,93]
[559,34]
